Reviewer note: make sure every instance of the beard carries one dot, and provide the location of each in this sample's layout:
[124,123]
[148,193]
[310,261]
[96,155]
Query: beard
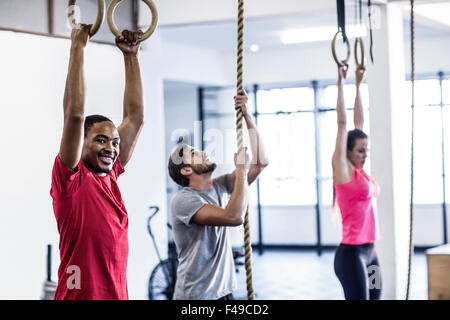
[202,169]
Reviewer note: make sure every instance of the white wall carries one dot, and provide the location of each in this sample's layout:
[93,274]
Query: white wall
[430,55]
[32,86]
[24,14]
[291,64]
[201,11]
[313,61]
[194,65]
[33,16]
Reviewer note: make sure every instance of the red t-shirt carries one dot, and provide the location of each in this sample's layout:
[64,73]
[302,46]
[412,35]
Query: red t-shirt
[93,227]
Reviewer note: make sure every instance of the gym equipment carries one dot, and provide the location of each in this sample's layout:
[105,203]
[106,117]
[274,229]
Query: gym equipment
[49,288]
[411,204]
[358,41]
[161,285]
[112,25]
[340,4]
[343,62]
[438,262]
[369,6]
[240,146]
[100,16]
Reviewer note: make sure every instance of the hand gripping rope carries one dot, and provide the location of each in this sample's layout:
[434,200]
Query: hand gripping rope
[98,21]
[240,145]
[112,26]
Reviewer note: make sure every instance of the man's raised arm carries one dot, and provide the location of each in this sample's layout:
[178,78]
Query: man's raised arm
[260,159]
[133,104]
[74,100]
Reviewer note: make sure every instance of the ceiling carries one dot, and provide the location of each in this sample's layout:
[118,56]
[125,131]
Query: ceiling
[265,31]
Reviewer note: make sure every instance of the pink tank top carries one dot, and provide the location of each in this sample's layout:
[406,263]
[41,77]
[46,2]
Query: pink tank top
[355,200]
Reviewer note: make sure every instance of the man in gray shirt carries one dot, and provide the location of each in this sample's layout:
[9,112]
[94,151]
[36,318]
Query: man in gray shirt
[200,217]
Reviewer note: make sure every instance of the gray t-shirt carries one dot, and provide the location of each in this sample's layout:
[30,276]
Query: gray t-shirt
[206,268]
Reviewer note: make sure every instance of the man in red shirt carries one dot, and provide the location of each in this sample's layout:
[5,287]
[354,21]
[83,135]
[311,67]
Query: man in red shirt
[89,210]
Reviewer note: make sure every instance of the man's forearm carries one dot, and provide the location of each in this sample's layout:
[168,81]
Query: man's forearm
[133,97]
[259,154]
[74,95]
[238,200]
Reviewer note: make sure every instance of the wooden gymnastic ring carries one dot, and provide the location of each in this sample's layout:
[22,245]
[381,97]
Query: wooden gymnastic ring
[115,30]
[361,47]
[340,63]
[100,15]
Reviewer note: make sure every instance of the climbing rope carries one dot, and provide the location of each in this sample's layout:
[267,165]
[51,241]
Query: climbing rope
[411,205]
[240,146]
[369,5]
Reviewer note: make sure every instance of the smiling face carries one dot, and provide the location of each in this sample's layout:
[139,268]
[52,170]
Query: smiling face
[101,147]
[358,154]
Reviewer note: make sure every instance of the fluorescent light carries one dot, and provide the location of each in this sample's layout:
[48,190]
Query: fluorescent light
[320,34]
[254,48]
[438,12]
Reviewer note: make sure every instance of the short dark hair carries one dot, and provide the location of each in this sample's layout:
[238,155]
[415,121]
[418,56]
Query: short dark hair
[91,120]
[352,136]
[176,163]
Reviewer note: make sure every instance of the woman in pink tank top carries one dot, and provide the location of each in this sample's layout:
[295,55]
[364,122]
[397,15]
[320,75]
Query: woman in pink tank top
[356,263]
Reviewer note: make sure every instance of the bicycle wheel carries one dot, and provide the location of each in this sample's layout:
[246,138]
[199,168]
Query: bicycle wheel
[161,284]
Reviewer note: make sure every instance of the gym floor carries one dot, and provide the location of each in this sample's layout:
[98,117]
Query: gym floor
[294,275]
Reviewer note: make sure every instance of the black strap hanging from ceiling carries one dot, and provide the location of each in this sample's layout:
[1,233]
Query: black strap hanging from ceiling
[369,4]
[341,18]
[360,12]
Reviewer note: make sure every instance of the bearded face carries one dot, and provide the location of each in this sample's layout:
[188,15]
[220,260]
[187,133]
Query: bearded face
[204,167]
[199,161]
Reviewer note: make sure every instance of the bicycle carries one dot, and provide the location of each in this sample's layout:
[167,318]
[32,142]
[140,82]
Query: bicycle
[161,284]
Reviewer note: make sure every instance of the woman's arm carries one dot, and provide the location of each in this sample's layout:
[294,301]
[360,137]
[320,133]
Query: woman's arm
[339,161]
[358,113]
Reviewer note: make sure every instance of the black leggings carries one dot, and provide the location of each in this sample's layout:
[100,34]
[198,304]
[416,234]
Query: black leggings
[358,270]
[227,297]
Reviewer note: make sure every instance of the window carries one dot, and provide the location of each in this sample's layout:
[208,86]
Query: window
[329,96]
[427,156]
[446,121]
[286,100]
[290,178]
[446,118]
[446,91]
[428,188]
[426,92]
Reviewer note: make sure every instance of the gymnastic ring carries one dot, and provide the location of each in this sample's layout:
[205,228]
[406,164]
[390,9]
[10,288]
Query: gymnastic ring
[361,47]
[340,63]
[115,30]
[100,15]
